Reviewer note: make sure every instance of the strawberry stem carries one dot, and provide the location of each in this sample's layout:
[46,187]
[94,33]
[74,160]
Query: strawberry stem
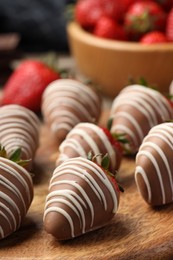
[15,156]
[70,12]
[121,138]
[120,187]
[51,60]
[141,81]
[105,165]
[105,162]
[109,123]
[3,152]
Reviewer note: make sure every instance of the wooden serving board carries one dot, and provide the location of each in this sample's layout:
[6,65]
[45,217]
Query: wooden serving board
[136,232]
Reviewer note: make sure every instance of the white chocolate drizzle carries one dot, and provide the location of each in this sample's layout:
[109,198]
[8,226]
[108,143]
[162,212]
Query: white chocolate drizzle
[83,130]
[74,195]
[162,136]
[15,202]
[67,102]
[19,128]
[139,100]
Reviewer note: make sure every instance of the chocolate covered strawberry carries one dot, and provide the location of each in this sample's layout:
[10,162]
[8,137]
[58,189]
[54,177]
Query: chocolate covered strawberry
[154,165]
[16,193]
[19,128]
[136,110]
[67,102]
[82,197]
[86,137]
[171,90]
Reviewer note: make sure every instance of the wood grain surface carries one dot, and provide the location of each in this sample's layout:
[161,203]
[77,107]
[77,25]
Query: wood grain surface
[136,232]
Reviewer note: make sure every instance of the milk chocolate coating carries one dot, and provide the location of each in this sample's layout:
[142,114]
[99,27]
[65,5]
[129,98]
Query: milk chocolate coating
[19,128]
[16,194]
[86,137]
[154,165]
[171,88]
[136,110]
[67,102]
[81,198]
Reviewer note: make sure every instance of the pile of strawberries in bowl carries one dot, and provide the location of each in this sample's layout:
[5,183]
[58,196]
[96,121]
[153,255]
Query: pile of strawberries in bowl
[144,21]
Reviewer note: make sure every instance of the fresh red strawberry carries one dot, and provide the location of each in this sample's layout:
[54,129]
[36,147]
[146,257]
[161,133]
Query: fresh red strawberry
[115,143]
[169,26]
[27,83]
[153,37]
[87,12]
[104,165]
[116,8]
[108,28]
[1,95]
[169,99]
[144,16]
[111,8]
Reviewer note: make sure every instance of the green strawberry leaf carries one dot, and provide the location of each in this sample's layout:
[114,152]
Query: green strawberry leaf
[3,152]
[69,12]
[141,81]
[121,138]
[109,123]
[23,162]
[105,165]
[105,162]
[169,97]
[15,156]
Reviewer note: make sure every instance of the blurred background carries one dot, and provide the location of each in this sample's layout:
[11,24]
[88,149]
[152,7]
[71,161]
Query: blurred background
[41,24]
[31,26]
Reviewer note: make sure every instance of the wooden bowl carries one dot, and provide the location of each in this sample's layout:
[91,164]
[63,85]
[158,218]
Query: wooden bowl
[111,63]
